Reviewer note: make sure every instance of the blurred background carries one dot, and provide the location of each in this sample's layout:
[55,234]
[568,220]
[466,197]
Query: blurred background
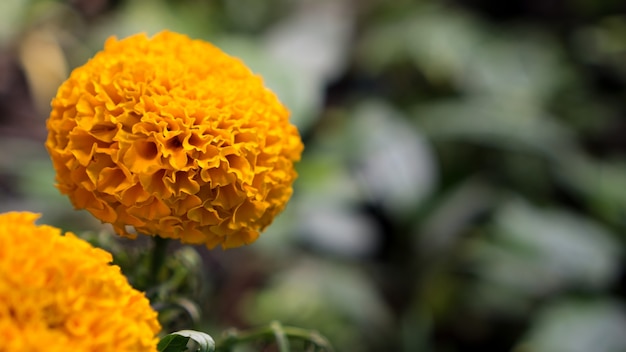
[463,185]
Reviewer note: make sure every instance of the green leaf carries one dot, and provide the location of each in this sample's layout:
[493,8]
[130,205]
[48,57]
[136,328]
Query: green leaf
[577,325]
[204,341]
[534,251]
[173,343]
[505,124]
[338,300]
[11,18]
[600,182]
[178,341]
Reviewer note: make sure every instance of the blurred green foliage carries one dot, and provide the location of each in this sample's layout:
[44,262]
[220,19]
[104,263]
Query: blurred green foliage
[462,187]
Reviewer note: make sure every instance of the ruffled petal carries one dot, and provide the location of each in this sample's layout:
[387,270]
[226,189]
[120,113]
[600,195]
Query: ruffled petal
[174,137]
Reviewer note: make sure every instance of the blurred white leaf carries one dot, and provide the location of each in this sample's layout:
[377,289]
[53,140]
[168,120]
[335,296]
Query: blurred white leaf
[394,163]
[538,251]
[505,124]
[438,39]
[300,55]
[337,230]
[315,38]
[450,45]
[323,208]
[578,326]
[525,68]
[441,42]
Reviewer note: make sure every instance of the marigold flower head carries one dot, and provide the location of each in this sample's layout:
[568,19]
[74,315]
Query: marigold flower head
[58,293]
[173,137]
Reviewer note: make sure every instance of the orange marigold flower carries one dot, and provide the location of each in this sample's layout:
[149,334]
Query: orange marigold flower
[58,293]
[173,137]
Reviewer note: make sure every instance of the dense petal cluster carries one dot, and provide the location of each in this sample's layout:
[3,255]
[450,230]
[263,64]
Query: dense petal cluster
[175,138]
[58,293]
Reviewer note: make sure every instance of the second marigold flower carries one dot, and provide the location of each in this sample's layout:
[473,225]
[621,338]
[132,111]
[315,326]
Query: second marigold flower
[58,293]
[175,138]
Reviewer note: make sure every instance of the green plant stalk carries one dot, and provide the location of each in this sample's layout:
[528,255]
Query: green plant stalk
[159,250]
[281,339]
[273,331]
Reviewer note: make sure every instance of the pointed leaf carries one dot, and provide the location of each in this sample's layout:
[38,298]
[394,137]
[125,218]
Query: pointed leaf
[205,342]
[173,343]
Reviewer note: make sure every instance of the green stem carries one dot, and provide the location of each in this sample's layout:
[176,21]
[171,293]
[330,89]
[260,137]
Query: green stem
[159,250]
[281,340]
[276,331]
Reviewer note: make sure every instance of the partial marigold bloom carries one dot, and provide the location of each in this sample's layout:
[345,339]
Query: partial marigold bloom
[58,293]
[175,138]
